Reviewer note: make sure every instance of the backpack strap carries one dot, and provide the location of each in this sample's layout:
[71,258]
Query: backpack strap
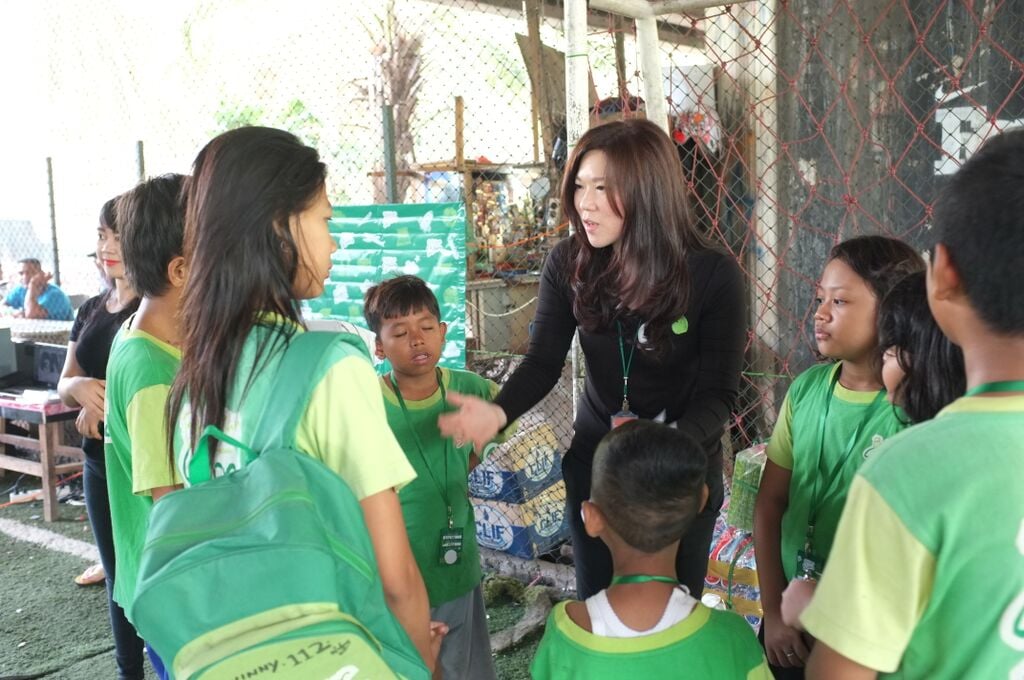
[291,389]
[288,397]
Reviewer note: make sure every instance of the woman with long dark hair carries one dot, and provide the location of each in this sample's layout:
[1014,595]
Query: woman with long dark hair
[256,243]
[83,383]
[661,319]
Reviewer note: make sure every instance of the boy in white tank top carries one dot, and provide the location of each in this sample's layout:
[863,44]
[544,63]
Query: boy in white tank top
[648,484]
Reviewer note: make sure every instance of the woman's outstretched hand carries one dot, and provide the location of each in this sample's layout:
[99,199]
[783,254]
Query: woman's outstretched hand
[476,420]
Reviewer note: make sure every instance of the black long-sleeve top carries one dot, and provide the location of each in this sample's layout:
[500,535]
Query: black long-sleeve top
[695,383]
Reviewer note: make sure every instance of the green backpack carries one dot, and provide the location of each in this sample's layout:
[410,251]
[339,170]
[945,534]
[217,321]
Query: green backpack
[269,570]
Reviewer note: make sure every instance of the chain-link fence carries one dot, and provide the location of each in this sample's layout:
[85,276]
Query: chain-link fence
[799,124]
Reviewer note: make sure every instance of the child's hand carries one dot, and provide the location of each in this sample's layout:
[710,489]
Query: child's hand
[437,632]
[476,420]
[795,599]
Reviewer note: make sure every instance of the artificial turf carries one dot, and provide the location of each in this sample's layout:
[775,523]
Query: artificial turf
[51,628]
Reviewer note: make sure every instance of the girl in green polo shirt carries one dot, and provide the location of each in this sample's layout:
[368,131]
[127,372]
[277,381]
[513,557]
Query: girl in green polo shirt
[831,419]
[256,243]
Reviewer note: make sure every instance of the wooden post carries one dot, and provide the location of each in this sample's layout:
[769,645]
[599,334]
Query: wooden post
[540,87]
[620,56]
[47,432]
[53,220]
[459,142]
[390,179]
[467,188]
[140,160]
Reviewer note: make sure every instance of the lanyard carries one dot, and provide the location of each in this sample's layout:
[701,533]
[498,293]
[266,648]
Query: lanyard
[643,578]
[626,365]
[818,499]
[441,488]
[1001,386]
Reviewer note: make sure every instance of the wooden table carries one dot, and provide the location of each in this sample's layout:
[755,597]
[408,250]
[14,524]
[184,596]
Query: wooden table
[48,417]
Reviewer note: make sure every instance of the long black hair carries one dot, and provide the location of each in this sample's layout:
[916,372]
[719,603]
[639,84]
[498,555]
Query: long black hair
[242,261]
[933,365]
[644,274]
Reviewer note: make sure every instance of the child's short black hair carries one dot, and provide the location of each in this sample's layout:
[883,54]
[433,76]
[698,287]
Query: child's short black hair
[151,218]
[648,481]
[979,217]
[933,365]
[397,297]
[880,260]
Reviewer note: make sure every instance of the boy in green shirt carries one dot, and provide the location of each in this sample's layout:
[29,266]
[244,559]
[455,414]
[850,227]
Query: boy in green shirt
[648,485]
[926,578]
[405,316]
[143,361]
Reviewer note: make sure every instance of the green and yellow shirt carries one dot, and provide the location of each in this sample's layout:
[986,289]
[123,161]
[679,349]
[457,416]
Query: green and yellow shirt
[706,644]
[140,371]
[823,450]
[423,507]
[343,426]
[926,578]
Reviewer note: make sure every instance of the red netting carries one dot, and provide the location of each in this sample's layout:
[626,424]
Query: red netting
[828,120]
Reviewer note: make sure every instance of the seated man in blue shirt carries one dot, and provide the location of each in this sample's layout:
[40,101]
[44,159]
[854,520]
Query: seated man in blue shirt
[36,297]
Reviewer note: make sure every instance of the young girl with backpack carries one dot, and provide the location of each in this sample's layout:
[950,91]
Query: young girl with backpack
[833,415]
[256,244]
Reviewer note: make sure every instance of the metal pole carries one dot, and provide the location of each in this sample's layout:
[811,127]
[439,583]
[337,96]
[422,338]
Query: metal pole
[650,69]
[638,9]
[577,70]
[577,120]
[390,180]
[53,220]
[687,6]
[140,161]
[627,8]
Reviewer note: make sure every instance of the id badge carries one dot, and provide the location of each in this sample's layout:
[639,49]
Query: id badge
[808,565]
[451,546]
[623,417]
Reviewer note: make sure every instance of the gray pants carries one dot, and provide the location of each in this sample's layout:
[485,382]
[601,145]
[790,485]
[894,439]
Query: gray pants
[466,650]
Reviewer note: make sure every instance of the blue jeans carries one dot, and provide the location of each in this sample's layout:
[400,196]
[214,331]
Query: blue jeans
[158,663]
[127,644]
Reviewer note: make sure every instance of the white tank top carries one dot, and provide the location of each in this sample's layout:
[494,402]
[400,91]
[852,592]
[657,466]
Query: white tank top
[606,623]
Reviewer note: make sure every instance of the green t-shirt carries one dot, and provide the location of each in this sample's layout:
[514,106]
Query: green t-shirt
[424,509]
[927,575]
[140,371]
[343,425]
[823,469]
[706,644]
